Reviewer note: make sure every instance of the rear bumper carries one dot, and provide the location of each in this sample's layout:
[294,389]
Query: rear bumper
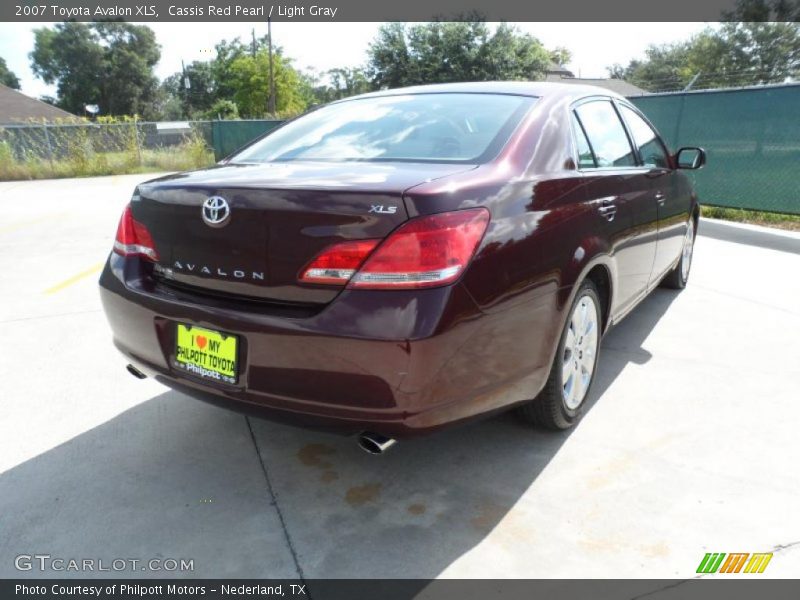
[393,362]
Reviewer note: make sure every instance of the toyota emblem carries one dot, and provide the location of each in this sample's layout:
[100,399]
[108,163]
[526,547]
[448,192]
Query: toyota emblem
[216,211]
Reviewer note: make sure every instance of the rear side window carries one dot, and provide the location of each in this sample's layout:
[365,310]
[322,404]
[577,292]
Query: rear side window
[585,156]
[606,134]
[650,147]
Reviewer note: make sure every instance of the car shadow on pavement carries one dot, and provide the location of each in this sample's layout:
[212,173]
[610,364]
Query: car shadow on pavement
[415,510]
[175,478]
[624,343]
[170,478]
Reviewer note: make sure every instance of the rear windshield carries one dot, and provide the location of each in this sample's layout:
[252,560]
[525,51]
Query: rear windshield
[451,127]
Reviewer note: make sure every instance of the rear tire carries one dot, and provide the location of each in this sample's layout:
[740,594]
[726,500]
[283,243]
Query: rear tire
[560,403]
[679,276]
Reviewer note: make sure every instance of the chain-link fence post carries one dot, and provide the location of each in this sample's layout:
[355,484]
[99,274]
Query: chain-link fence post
[49,143]
[136,137]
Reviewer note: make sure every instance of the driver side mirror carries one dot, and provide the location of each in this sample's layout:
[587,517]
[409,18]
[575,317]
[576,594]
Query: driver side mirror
[690,157]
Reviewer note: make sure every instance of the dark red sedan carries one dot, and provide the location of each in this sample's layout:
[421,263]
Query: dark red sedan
[397,262]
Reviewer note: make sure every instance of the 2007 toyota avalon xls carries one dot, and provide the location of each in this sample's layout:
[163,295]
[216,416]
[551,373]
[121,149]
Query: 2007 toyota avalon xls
[400,261]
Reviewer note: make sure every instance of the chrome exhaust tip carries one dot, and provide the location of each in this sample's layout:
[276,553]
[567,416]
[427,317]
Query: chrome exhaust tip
[135,372]
[374,443]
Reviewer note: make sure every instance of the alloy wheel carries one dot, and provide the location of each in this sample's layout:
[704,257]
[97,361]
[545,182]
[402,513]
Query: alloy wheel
[580,350]
[688,249]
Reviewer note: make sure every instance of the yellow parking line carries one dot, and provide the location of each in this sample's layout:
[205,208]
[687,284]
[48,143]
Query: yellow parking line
[75,278]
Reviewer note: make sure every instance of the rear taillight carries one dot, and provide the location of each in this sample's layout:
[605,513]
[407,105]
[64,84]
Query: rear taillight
[336,264]
[133,238]
[424,252]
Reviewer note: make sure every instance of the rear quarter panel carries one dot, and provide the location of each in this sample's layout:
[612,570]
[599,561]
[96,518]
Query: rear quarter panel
[543,238]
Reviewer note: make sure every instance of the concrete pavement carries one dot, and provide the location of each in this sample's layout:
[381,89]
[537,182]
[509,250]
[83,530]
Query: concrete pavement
[690,446]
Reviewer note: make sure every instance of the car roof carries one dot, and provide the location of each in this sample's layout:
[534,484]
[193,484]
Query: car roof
[537,89]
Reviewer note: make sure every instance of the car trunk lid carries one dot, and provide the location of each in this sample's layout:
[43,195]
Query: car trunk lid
[281,215]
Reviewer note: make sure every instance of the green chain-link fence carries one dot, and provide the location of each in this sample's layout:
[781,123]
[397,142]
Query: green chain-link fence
[751,135]
[32,150]
[228,136]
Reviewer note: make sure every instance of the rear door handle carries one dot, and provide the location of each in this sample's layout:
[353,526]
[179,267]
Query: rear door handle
[660,197]
[608,209]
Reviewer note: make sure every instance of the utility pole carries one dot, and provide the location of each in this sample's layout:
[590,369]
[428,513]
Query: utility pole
[187,86]
[253,49]
[271,77]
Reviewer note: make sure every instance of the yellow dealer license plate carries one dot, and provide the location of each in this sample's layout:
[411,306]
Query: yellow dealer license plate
[206,353]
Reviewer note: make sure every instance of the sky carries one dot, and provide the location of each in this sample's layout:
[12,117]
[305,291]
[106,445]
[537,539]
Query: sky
[324,46]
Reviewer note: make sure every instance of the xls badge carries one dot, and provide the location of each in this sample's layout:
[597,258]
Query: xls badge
[383,210]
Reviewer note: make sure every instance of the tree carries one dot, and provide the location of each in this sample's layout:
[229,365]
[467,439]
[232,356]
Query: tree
[108,63]
[236,81]
[202,92]
[560,55]
[348,81]
[617,71]
[455,51]
[167,107]
[229,51]
[334,84]
[249,78]
[739,52]
[314,88]
[667,66]
[757,53]
[752,11]
[222,109]
[7,76]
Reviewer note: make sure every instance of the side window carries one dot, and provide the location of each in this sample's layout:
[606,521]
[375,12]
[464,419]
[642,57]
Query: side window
[650,147]
[606,134]
[585,156]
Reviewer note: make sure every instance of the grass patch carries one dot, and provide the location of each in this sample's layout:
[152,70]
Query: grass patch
[756,217]
[192,154]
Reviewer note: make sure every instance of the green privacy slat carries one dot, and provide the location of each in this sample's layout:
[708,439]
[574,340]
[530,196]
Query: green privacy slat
[228,136]
[752,137]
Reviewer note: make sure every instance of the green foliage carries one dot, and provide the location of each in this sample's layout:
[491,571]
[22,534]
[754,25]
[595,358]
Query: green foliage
[6,156]
[7,77]
[751,11]
[196,151]
[105,63]
[249,77]
[223,109]
[348,82]
[109,148]
[168,107]
[737,53]
[400,55]
[202,92]
[334,84]
[560,55]
[239,76]
[769,219]
[228,51]
[455,51]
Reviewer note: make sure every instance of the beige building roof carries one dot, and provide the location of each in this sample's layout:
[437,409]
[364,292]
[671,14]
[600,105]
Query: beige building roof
[16,107]
[620,86]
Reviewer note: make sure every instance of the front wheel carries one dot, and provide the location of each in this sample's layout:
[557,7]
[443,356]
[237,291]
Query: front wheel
[559,404]
[677,278]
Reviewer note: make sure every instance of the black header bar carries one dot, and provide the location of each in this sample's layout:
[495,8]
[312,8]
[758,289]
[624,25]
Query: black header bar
[364,10]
